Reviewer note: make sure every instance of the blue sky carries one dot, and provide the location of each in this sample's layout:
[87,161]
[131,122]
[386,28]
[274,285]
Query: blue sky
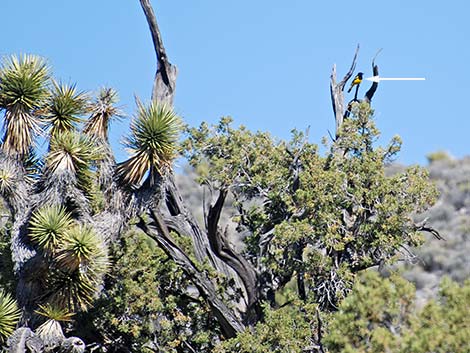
[265,63]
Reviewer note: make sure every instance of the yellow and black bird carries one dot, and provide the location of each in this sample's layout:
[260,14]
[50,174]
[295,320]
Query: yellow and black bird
[356,81]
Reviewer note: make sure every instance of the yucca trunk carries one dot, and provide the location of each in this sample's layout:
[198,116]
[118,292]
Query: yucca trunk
[17,195]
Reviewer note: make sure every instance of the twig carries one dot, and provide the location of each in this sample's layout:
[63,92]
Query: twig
[319,329]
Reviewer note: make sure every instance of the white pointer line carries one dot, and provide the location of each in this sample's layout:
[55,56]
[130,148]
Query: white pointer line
[378,79]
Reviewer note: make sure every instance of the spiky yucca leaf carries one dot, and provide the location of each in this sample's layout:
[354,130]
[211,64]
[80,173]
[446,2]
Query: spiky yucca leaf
[20,128]
[23,81]
[79,267]
[9,315]
[33,165]
[103,109]
[51,331]
[64,108]
[48,226]
[51,334]
[153,142]
[12,188]
[23,90]
[73,153]
[51,312]
[83,250]
[73,291]
[7,181]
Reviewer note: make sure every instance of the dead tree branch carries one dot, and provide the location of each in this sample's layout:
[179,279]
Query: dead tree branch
[158,230]
[165,78]
[373,88]
[173,215]
[211,245]
[422,227]
[337,95]
[223,249]
[336,91]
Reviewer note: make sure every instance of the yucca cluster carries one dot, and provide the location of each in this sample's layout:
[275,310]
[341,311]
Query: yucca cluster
[57,199]
[75,256]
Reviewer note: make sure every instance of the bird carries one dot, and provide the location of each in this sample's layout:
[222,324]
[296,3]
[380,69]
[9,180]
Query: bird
[356,81]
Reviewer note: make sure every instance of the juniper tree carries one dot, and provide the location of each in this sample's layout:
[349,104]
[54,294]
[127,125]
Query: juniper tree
[381,315]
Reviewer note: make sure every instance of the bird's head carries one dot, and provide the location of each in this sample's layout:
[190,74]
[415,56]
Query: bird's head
[360,74]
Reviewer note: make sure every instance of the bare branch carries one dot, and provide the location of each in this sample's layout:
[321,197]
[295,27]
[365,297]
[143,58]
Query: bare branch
[319,331]
[210,246]
[213,216]
[373,88]
[431,230]
[375,56]
[165,78]
[158,231]
[336,91]
[331,136]
[351,69]
[183,222]
[223,249]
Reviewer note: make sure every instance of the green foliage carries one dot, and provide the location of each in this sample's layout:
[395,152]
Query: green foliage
[81,247]
[372,316]
[73,153]
[288,329]
[9,315]
[74,259]
[65,106]
[312,221]
[33,165]
[73,291]
[438,156]
[443,325]
[23,90]
[450,217]
[51,312]
[7,278]
[23,81]
[235,156]
[51,330]
[7,181]
[48,226]
[153,140]
[103,109]
[380,316]
[331,216]
[148,302]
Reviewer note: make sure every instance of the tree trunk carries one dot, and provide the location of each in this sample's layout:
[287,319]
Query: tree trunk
[157,230]
[209,245]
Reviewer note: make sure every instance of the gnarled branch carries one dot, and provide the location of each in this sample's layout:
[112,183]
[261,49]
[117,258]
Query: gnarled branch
[336,90]
[158,230]
[223,249]
[165,78]
[337,96]
[373,88]
[422,227]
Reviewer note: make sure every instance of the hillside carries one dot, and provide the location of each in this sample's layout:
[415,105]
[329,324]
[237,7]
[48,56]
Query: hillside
[451,216]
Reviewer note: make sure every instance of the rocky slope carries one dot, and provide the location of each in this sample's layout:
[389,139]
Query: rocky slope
[451,217]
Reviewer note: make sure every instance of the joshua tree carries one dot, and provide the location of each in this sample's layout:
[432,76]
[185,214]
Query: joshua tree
[68,205]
